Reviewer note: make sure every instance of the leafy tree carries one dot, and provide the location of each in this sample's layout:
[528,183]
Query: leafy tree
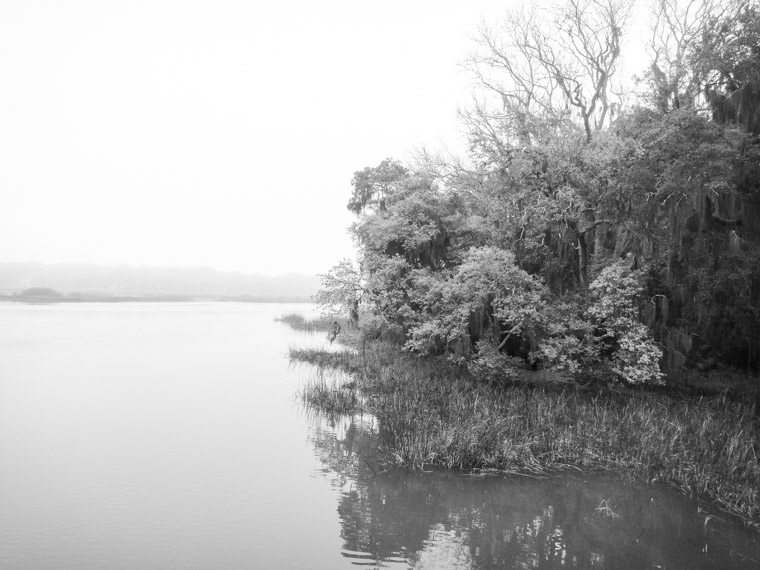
[488,284]
[373,185]
[707,50]
[677,30]
[389,288]
[582,236]
[729,59]
[342,290]
[635,355]
[692,196]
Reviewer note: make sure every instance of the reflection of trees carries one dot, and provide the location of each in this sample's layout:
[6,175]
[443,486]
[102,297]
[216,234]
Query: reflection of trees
[383,513]
[388,516]
[444,519]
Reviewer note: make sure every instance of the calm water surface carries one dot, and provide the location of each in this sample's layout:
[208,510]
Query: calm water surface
[168,436]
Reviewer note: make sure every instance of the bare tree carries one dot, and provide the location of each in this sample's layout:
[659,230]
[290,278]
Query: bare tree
[678,28]
[550,67]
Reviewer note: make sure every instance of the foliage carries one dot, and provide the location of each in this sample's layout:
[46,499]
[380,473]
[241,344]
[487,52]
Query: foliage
[389,284]
[569,344]
[583,235]
[693,197]
[341,291]
[635,356]
[488,278]
[490,365]
[373,185]
[728,57]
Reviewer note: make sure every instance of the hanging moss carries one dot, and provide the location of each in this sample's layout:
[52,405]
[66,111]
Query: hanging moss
[739,106]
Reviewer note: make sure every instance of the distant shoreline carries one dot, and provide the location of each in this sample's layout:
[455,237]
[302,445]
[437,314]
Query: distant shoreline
[100,298]
[109,284]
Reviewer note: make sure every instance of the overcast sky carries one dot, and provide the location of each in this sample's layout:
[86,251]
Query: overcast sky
[220,133]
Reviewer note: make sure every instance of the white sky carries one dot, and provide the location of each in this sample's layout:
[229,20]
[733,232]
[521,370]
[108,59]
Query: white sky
[220,133]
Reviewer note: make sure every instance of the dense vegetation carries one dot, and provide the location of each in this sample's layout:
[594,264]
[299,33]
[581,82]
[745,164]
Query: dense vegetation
[589,231]
[583,289]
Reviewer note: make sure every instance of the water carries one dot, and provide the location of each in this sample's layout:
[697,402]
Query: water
[168,436]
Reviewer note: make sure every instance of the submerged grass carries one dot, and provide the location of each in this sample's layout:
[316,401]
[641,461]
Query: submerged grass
[431,412]
[300,323]
[330,395]
[345,360]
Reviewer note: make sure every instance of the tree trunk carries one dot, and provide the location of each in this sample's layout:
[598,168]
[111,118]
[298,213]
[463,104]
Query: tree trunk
[582,260]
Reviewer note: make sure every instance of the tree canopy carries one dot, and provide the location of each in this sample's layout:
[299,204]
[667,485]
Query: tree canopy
[586,234]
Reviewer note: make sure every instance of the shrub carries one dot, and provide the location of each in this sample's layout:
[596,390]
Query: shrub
[635,355]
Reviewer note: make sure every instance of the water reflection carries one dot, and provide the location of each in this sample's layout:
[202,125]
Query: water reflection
[440,519]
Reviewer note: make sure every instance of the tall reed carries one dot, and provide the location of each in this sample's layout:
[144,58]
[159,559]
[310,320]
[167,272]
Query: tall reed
[328,394]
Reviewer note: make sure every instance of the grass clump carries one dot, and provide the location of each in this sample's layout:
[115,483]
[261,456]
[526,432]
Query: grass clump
[298,322]
[340,359]
[432,412]
[331,396]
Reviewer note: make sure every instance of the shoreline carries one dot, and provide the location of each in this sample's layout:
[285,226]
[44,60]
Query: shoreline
[432,412]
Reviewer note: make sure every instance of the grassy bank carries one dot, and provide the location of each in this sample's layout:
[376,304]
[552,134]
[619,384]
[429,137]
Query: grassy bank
[430,412]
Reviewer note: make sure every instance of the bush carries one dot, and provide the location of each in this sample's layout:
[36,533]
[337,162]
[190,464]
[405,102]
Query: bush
[635,355]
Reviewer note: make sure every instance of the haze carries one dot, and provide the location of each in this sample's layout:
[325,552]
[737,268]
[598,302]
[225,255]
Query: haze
[220,134]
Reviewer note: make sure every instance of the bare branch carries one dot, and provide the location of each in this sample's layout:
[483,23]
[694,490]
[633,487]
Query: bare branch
[678,27]
[534,74]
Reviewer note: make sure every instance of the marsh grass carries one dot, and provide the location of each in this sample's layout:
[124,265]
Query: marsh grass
[342,359]
[432,413]
[331,394]
[298,322]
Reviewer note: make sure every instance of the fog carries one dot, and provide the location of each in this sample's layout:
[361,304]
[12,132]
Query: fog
[220,134]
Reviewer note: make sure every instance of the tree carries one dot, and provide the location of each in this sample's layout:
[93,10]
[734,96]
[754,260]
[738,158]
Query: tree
[373,185]
[571,241]
[692,196]
[489,286]
[634,354]
[547,93]
[341,291]
[678,26]
[707,51]
[729,58]
[545,69]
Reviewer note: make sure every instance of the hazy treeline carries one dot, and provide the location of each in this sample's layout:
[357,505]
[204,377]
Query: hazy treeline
[125,279]
[592,228]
